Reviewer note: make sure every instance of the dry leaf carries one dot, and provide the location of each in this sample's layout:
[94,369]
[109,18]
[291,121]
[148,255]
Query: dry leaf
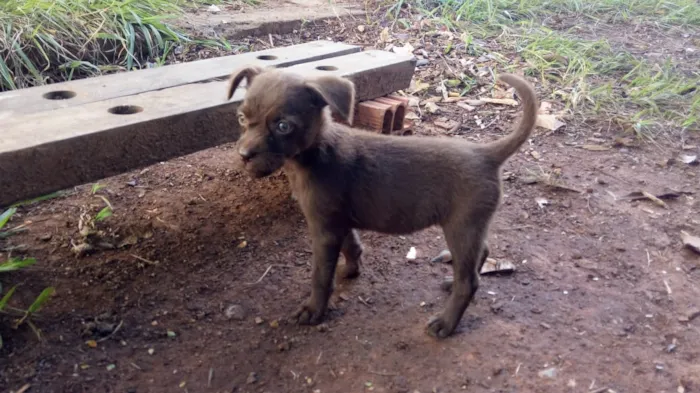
[411,116]
[384,35]
[595,147]
[690,160]
[475,102]
[544,107]
[433,99]
[549,122]
[417,86]
[91,343]
[622,141]
[493,266]
[404,50]
[446,125]
[500,101]
[535,155]
[690,241]
[503,94]
[432,108]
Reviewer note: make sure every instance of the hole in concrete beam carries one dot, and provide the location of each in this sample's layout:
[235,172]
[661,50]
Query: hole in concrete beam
[327,68]
[267,57]
[125,110]
[59,95]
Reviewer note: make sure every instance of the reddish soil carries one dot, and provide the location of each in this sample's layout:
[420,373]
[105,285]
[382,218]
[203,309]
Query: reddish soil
[604,294]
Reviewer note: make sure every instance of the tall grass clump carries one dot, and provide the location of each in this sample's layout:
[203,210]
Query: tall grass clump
[500,12]
[43,41]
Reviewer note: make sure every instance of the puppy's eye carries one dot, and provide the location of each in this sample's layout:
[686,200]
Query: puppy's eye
[284,127]
[242,120]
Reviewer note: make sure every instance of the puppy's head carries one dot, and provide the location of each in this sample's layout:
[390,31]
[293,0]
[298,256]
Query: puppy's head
[284,114]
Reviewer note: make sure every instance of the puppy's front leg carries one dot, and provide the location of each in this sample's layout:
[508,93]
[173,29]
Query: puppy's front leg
[326,250]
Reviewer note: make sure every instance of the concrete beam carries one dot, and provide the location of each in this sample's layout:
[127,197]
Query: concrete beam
[83,91]
[55,150]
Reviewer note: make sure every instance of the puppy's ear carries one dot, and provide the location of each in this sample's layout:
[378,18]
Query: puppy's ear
[248,73]
[338,93]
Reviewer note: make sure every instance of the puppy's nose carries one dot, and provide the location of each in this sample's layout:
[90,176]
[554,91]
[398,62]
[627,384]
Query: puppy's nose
[246,154]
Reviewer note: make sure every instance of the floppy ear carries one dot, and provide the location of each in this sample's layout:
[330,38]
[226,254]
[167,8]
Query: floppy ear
[336,92]
[247,73]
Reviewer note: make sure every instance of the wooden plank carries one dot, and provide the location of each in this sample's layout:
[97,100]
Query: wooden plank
[54,150]
[83,91]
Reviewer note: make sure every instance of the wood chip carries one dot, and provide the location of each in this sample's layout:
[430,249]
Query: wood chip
[654,199]
[500,101]
[595,147]
[493,266]
[549,122]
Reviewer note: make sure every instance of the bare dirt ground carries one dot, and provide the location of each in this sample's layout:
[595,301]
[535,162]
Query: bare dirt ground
[604,296]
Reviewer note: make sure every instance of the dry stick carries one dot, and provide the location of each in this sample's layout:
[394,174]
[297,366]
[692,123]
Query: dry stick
[211,375]
[369,369]
[261,277]
[144,260]
[116,329]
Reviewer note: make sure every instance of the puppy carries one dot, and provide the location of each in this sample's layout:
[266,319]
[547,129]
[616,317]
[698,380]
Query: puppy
[347,180]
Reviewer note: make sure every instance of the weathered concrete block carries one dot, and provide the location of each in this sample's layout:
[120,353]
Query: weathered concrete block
[83,91]
[53,150]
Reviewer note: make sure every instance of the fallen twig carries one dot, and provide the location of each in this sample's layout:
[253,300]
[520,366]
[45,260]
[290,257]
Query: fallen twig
[116,329]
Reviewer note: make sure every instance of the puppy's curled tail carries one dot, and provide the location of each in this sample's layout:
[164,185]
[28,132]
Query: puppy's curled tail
[502,149]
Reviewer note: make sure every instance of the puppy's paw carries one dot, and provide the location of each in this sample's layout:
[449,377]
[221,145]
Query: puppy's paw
[438,328]
[307,314]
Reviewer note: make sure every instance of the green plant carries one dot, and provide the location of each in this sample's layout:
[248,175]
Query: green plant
[13,264]
[54,40]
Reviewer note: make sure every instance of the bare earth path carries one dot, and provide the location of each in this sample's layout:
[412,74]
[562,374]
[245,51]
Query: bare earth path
[604,295]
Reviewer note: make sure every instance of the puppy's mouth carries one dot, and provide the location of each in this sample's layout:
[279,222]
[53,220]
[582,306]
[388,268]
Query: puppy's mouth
[263,168]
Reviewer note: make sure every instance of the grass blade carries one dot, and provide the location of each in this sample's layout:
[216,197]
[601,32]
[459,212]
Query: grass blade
[41,299]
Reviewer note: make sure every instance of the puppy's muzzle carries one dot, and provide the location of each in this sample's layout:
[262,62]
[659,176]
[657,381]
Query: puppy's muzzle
[246,154]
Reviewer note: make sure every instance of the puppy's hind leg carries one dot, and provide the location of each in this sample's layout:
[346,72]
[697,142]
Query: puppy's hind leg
[465,239]
[326,251]
[352,252]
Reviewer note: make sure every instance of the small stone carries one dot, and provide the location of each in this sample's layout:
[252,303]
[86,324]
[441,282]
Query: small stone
[548,373]
[252,378]
[151,351]
[445,256]
[46,237]
[258,321]
[422,62]
[322,327]
[285,346]
[235,312]
[274,324]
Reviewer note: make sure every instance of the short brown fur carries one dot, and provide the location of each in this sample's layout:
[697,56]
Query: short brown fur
[347,180]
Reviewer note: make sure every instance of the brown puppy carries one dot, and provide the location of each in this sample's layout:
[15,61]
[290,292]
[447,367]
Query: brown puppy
[347,180]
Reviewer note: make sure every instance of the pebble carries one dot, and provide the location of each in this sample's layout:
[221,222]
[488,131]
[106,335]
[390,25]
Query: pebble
[235,312]
[258,321]
[422,62]
[252,378]
[548,373]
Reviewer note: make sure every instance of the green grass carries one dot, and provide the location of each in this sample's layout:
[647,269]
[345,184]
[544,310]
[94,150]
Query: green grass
[590,76]
[676,12]
[44,41]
